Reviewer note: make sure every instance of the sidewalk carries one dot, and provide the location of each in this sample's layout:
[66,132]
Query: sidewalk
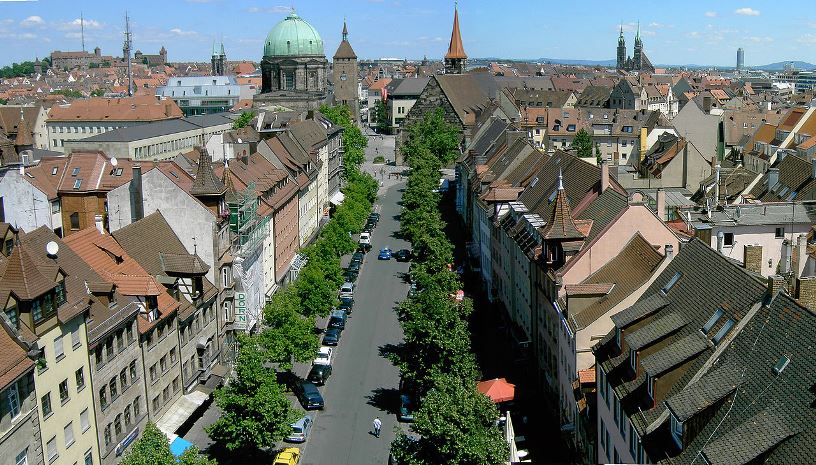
[382,146]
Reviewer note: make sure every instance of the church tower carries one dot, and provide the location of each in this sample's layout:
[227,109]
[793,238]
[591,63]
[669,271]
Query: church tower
[637,58]
[456,58]
[621,64]
[345,76]
[219,61]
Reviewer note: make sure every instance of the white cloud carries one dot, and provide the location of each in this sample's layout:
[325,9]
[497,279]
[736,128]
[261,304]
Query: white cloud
[711,14]
[32,21]
[761,40]
[693,35]
[179,32]
[655,25]
[807,39]
[747,11]
[77,23]
[648,33]
[272,9]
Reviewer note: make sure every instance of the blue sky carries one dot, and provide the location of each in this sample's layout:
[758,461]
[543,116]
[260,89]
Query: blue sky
[693,31]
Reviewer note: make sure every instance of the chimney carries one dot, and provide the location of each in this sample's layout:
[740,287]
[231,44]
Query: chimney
[661,204]
[604,175]
[806,291]
[644,135]
[100,224]
[136,195]
[706,104]
[799,254]
[717,184]
[669,250]
[775,283]
[720,241]
[785,259]
[513,136]
[752,260]
[773,177]
[780,155]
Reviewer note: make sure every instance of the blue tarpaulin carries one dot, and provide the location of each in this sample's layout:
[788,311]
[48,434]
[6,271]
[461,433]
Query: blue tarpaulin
[179,445]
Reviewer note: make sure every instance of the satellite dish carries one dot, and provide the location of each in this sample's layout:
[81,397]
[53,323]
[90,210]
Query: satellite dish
[114,161]
[240,141]
[52,248]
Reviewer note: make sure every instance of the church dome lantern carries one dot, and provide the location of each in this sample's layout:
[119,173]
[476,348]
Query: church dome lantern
[293,37]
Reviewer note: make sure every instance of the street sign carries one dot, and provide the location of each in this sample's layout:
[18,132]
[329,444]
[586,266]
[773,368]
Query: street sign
[240,311]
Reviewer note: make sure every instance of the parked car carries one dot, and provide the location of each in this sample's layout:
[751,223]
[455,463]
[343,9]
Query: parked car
[365,238]
[407,407]
[309,396]
[403,255]
[374,216]
[351,276]
[385,254]
[324,356]
[319,374]
[300,430]
[358,256]
[331,337]
[337,319]
[347,289]
[354,267]
[346,304]
[288,456]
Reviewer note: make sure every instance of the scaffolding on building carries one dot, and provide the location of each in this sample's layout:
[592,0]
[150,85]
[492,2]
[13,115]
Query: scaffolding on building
[247,226]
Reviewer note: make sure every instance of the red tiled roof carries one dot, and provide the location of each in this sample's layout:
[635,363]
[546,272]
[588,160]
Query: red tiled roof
[138,108]
[13,359]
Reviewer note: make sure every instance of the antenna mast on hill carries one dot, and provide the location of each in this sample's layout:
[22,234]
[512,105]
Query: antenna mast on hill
[82,29]
[127,47]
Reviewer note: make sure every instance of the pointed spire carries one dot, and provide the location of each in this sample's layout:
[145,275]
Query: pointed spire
[226,178]
[345,30]
[206,183]
[24,136]
[456,50]
[561,225]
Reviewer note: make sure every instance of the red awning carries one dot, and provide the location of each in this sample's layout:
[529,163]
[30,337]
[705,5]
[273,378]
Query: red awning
[498,389]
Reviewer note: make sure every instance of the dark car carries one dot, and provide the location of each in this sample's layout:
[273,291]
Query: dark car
[309,396]
[407,407]
[350,276]
[319,374]
[337,320]
[374,216]
[346,304]
[331,337]
[358,256]
[403,255]
[354,267]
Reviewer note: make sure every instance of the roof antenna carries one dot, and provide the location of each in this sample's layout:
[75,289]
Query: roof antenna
[82,28]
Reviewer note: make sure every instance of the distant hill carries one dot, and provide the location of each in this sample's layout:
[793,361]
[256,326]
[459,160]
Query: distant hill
[801,65]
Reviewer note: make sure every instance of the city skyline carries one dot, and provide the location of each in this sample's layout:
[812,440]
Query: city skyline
[697,34]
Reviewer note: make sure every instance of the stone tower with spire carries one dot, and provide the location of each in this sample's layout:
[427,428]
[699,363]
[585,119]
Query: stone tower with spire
[219,60]
[621,62]
[637,58]
[344,66]
[456,58]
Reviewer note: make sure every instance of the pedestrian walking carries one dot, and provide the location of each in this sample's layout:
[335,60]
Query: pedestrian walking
[377,426]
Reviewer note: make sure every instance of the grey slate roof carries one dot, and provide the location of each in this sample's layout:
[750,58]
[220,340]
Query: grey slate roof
[760,433]
[409,87]
[702,394]
[654,331]
[160,128]
[642,308]
[682,350]
[603,210]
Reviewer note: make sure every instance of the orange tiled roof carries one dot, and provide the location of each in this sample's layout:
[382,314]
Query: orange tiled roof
[138,108]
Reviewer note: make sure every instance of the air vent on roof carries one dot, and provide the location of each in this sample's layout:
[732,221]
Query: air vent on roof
[670,284]
[781,364]
[534,182]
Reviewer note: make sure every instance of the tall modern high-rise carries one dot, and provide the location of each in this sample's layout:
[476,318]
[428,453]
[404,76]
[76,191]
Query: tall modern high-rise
[740,59]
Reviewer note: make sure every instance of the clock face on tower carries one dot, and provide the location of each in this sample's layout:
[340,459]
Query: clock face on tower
[343,77]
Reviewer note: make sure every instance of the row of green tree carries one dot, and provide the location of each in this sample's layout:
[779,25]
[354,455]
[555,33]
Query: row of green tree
[454,423]
[255,411]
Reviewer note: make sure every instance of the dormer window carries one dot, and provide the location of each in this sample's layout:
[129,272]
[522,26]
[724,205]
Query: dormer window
[75,172]
[670,284]
[650,386]
[59,292]
[12,314]
[77,184]
[570,128]
[633,360]
[618,337]
[677,431]
[723,331]
[713,320]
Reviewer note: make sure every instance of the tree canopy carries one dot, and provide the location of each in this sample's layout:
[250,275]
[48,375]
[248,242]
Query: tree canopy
[255,411]
[582,143]
[380,117]
[243,120]
[354,141]
[153,448]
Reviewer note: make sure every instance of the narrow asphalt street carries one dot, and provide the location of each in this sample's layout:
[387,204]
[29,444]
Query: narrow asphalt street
[364,384]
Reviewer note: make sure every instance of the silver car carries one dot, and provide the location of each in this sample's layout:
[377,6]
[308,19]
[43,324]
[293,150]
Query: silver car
[300,430]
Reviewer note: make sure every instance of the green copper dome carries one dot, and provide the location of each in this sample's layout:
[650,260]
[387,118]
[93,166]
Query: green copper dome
[293,37]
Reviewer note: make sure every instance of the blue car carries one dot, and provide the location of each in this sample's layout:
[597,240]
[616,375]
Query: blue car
[385,254]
